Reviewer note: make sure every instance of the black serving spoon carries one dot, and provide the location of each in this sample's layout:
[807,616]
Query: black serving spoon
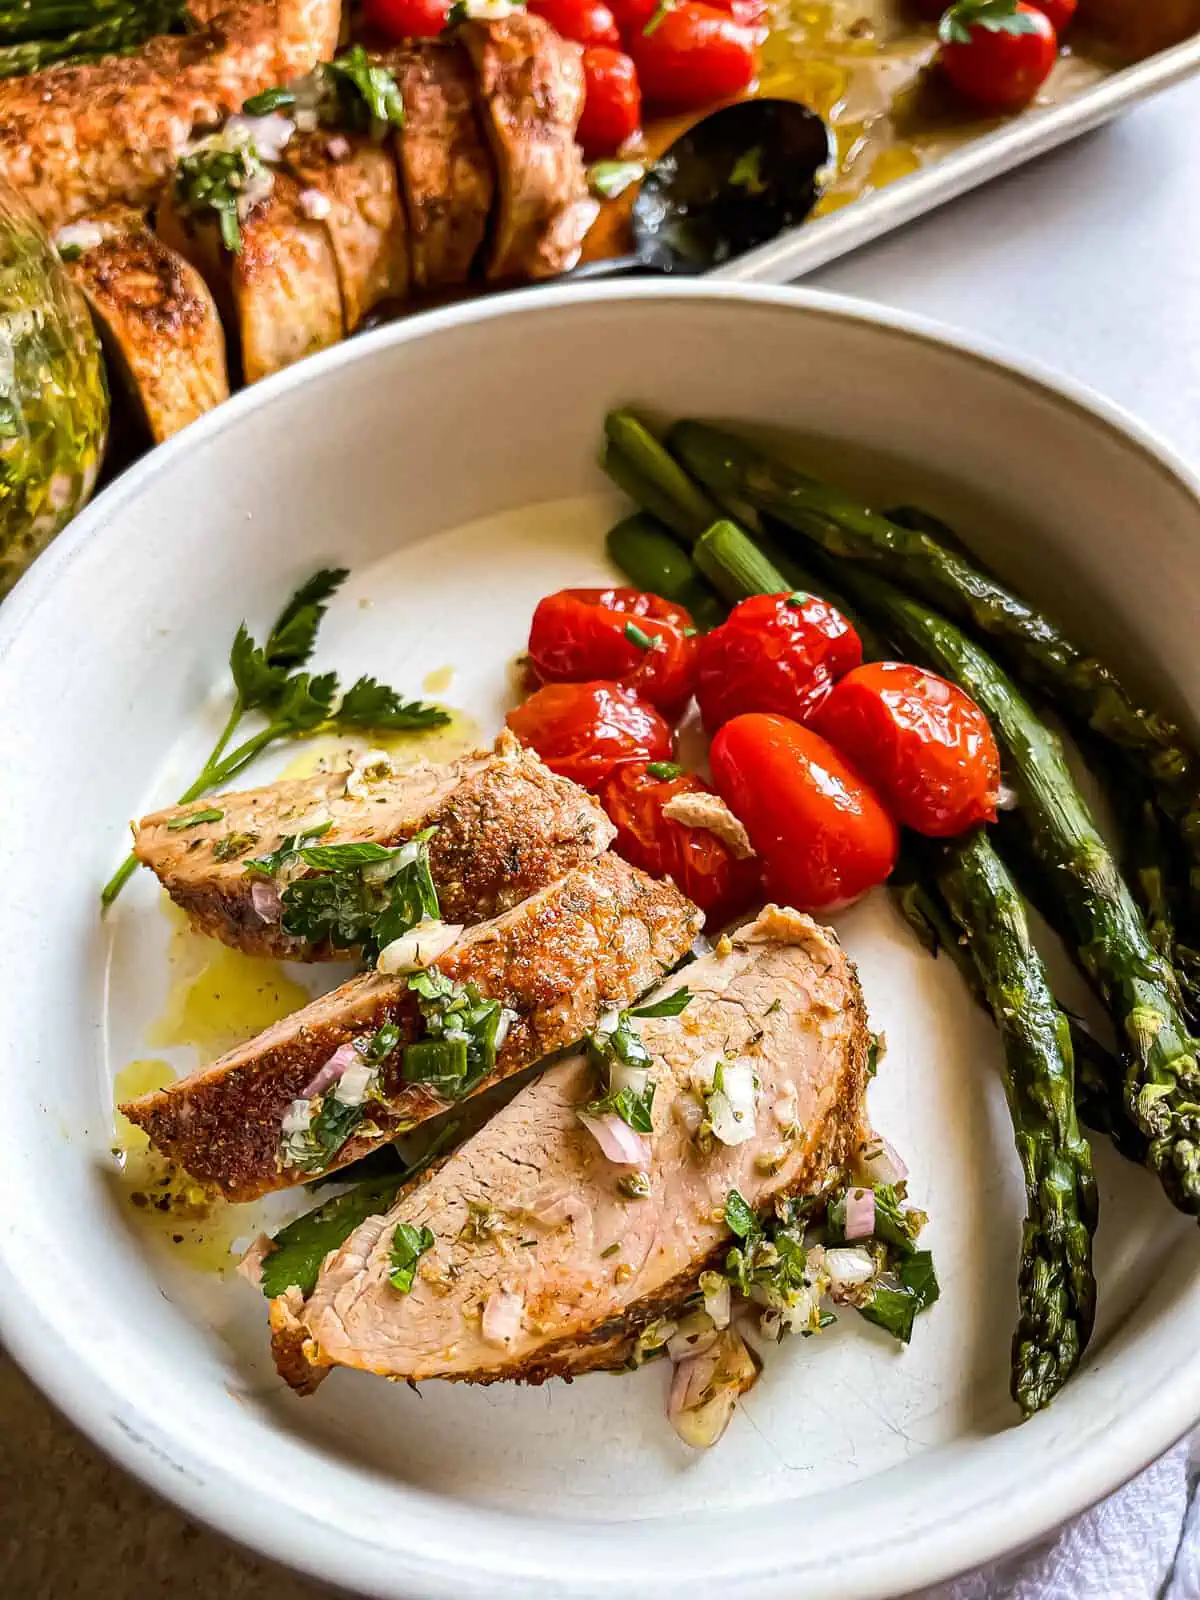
[734,180]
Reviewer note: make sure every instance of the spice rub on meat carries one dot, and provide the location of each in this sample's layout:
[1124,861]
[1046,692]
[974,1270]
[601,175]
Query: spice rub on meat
[556,963]
[570,1268]
[506,827]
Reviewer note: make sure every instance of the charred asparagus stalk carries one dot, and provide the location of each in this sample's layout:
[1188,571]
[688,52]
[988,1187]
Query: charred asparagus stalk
[1115,948]
[1037,649]
[1057,1290]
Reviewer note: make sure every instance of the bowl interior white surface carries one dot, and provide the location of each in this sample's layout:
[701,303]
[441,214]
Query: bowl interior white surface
[416,458]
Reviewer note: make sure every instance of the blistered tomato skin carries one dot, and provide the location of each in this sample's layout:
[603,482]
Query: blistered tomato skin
[922,744]
[700,863]
[776,653]
[612,104]
[586,21]
[824,836]
[583,731]
[407,19]
[623,635]
[1001,70]
[693,56]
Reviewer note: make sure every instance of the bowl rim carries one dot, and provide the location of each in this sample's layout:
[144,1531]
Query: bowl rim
[57,1362]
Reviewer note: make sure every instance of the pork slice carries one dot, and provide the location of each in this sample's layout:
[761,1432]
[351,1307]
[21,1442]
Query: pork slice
[783,997]
[506,826]
[445,168]
[562,958]
[349,181]
[156,316]
[279,297]
[73,139]
[531,92]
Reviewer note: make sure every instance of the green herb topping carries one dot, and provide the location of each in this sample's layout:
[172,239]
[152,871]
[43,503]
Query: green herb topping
[462,1034]
[668,771]
[209,814]
[232,845]
[367,95]
[223,173]
[261,105]
[409,1244]
[617,1043]
[286,852]
[360,896]
[314,1130]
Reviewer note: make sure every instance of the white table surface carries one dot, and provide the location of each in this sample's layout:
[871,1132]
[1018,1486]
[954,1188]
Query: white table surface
[1090,261]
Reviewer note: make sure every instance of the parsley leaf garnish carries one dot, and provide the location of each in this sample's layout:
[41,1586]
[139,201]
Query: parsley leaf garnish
[666,770]
[671,1005]
[408,1245]
[269,679]
[463,1032]
[261,105]
[368,704]
[739,1218]
[285,852]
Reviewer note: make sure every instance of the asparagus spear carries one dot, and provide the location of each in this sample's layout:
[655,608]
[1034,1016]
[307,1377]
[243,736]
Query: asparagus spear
[652,560]
[1057,1290]
[646,471]
[1039,650]
[115,35]
[1115,948]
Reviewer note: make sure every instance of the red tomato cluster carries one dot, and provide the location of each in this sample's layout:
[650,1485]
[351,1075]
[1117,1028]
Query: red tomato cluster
[998,53]
[819,758]
[679,55]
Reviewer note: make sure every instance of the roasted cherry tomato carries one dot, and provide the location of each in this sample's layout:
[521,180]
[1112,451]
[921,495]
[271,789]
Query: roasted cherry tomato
[636,639]
[1061,13]
[1001,62]
[702,864]
[691,55]
[583,730]
[776,652]
[585,21]
[923,745]
[823,834]
[632,16]
[407,19]
[612,102]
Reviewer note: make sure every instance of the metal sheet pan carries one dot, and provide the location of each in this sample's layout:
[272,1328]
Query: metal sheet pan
[803,249]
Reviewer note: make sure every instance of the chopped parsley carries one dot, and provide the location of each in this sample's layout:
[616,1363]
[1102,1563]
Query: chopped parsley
[408,1245]
[635,1186]
[209,814]
[621,1042]
[262,104]
[223,173]
[360,896]
[315,1130]
[462,1033]
[367,96]
[285,853]
[667,771]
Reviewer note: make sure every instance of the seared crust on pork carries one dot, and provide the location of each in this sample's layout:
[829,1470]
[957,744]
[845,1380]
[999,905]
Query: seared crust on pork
[784,997]
[356,180]
[531,92]
[445,168]
[73,139]
[594,940]
[506,827]
[157,318]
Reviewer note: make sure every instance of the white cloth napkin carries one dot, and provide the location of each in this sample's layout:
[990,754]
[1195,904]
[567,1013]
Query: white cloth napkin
[1143,1543]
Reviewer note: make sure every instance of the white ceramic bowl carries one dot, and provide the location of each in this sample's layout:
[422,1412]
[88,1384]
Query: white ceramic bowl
[853,1470]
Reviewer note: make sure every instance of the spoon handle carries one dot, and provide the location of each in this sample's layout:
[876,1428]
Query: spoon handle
[616,267]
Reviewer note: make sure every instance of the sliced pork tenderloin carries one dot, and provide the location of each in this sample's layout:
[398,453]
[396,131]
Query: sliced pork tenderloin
[506,827]
[546,1259]
[556,963]
[530,83]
